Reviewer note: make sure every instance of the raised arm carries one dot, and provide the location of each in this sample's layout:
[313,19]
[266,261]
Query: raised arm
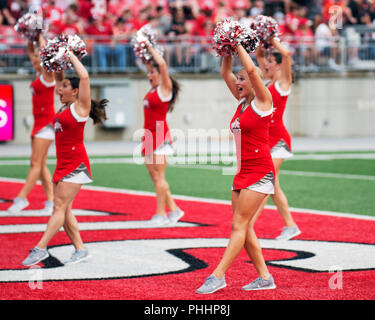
[49,76]
[166,82]
[263,98]
[228,76]
[286,65]
[83,107]
[261,58]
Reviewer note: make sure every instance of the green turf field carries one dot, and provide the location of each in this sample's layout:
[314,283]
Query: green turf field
[342,182]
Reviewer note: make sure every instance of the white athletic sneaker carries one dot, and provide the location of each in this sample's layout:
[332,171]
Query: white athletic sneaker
[48,207]
[289,233]
[159,220]
[174,216]
[18,205]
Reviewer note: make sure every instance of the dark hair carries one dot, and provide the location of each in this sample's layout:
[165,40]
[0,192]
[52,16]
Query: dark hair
[277,55]
[175,87]
[97,112]
[279,58]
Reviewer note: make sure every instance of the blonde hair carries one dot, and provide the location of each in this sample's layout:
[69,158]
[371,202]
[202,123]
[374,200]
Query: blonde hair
[259,72]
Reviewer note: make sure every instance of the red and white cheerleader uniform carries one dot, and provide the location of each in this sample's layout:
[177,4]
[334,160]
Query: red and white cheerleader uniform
[72,161]
[157,138]
[255,169]
[43,97]
[280,141]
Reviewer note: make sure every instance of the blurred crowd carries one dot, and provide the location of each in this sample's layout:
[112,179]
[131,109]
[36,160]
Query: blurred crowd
[111,23]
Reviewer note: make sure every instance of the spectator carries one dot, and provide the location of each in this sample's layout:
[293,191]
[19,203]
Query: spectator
[292,20]
[245,4]
[338,8]
[118,48]
[357,11]
[204,14]
[325,44]
[129,22]
[306,45]
[164,20]
[52,13]
[179,32]
[257,9]
[141,19]
[115,7]
[371,13]
[6,16]
[241,13]
[369,37]
[102,32]
[221,12]
[84,9]
[17,8]
[208,60]
[70,24]
[279,16]
[313,7]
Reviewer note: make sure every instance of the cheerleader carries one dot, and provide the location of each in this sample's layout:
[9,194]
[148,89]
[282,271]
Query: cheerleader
[254,179]
[73,166]
[157,141]
[42,134]
[277,69]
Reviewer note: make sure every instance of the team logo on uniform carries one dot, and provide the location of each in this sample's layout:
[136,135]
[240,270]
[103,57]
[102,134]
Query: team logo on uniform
[235,126]
[57,126]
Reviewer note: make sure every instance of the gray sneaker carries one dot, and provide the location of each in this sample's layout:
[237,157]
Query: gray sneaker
[174,216]
[212,284]
[78,256]
[260,284]
[18,205]
[288,233]
[159,220]
[36,255]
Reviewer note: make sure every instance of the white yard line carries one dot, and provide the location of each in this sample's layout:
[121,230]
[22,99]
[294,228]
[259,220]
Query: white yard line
[210,200]
[193,162]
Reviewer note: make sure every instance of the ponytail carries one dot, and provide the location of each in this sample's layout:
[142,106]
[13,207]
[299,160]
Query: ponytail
[97,113]
[175,91]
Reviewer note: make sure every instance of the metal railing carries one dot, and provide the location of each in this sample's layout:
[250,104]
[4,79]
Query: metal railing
[353,50]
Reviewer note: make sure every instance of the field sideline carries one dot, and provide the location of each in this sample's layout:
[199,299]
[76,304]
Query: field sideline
[331,181]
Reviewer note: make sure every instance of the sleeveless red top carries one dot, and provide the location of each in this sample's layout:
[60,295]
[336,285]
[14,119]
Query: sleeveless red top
[43,99]
[155,109]
[70,150]
[277,129]
[250,131]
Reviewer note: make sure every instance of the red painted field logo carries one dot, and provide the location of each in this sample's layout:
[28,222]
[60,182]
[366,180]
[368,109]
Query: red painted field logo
[333,258]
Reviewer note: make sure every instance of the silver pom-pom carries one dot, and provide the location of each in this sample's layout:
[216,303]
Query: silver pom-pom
[266,28]
[144,37]
[30,26]
[229,33]
[55,54]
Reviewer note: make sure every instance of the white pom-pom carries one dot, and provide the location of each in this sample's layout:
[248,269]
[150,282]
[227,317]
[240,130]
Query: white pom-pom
[30,26]
[229,33]
[55,54]
[145,37]
[266,28]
